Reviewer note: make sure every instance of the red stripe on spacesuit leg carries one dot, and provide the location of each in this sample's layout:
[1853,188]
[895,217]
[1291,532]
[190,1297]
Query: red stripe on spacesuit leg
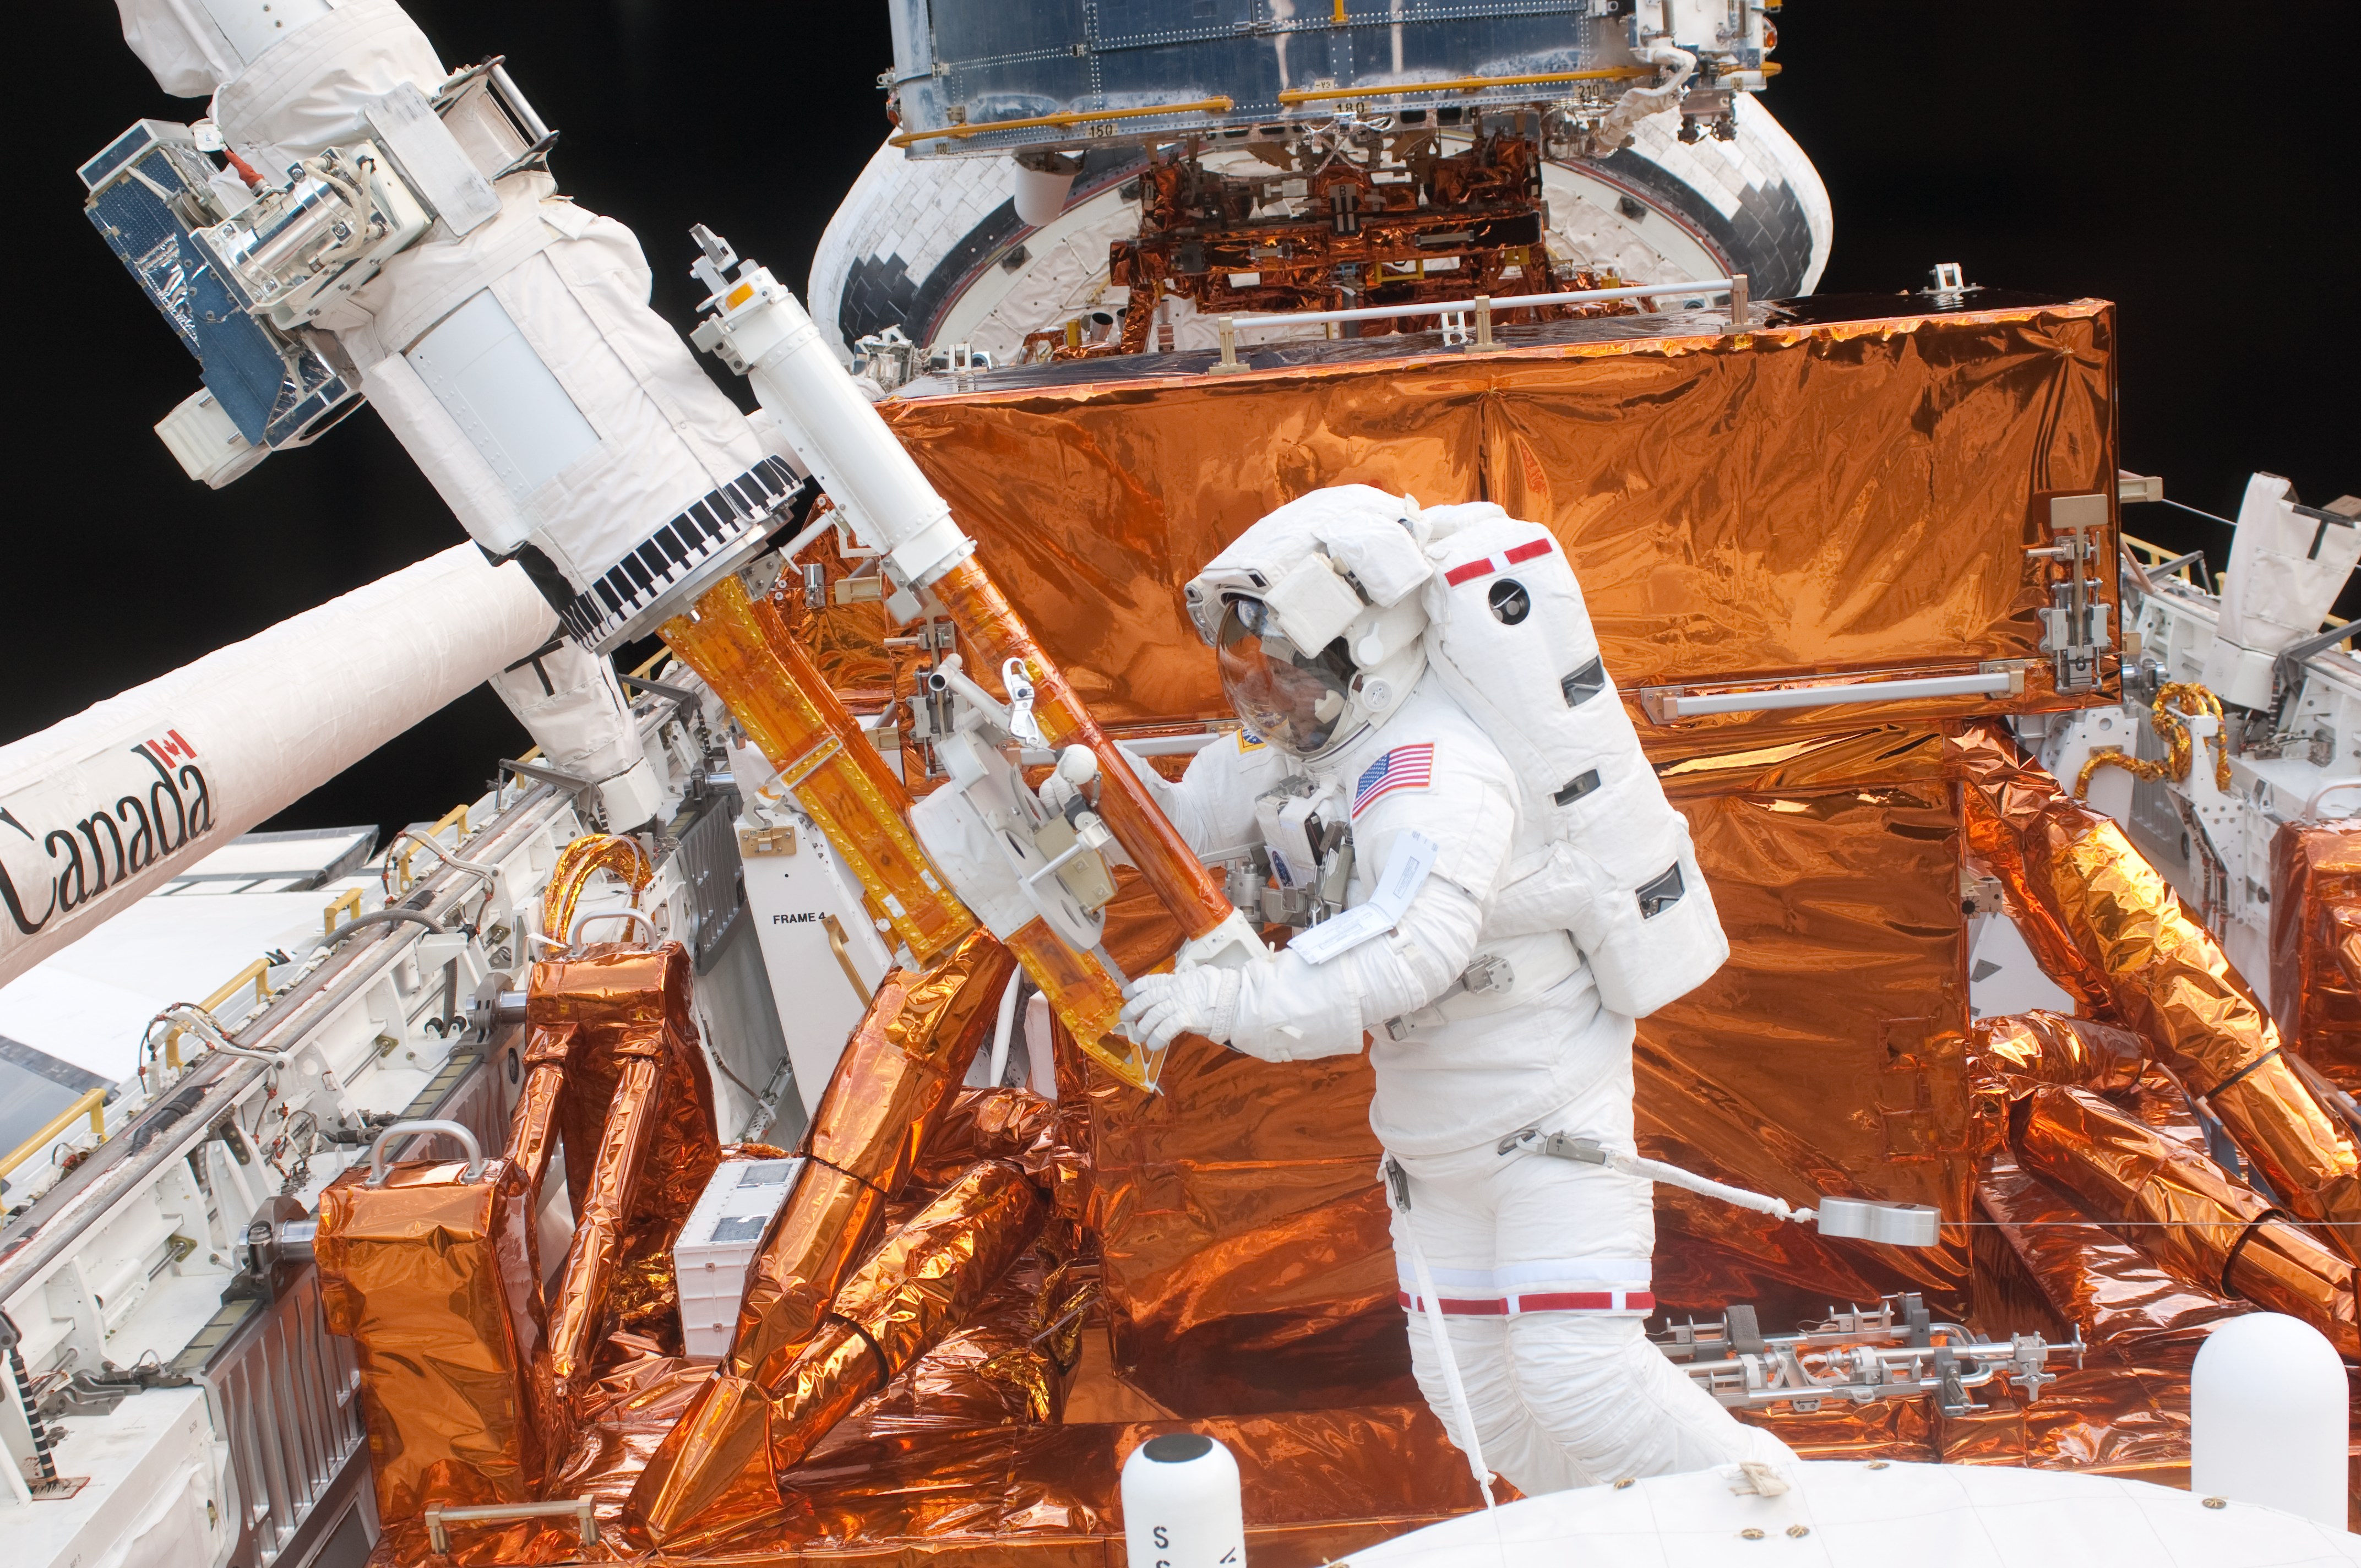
[1528,552]
[1469,571]
[1547,1301]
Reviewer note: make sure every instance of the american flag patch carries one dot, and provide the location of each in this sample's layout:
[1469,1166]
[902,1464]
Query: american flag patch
[1404,767]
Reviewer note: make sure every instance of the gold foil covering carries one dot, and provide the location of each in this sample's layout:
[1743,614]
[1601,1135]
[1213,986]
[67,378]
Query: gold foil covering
[921,1282]
[614,1008]
[433,1279]
[622,1158]
[2316,945]
[2180,1208]
[1766,505]
[743,652]
[917,1039]
[2040,1048]
[579,861]
[2098,913]
[919,1035]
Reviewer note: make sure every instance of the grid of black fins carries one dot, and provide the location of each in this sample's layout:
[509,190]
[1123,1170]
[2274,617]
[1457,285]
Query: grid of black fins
[668,554]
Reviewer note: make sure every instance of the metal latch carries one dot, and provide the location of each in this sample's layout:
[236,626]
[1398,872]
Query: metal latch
[2074,625]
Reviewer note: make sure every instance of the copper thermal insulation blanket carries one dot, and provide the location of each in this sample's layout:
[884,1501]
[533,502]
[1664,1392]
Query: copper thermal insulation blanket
[618,1006]
[2316,945]
[920,1283]
[1767,505]
[915,1041]
[2104,924]
[433,1280]
[2177,1206]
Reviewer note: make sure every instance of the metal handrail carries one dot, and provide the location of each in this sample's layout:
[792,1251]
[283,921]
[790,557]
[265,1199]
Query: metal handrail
[574,936]
[456,1130]
[93,1102]
[579,1510]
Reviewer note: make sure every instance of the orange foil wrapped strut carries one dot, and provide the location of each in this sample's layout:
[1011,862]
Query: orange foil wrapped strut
[743,652]
[578,862]
[891,1082]
[915,1041]
[2104,924]
[616,1007]
[2040,1048]
[990,627]
[432,1277]
[2199,1223]
[920,1283]
[2316,945]
[580,1313]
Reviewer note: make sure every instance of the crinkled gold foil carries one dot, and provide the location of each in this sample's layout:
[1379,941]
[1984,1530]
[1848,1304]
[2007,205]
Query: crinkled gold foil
[920,1283]
[2105,924]
[915,1040]
[615,1006]
[621,1158]
[2199,1223]
[431,1280]
[580,860]
[1769,504]
[2316,945]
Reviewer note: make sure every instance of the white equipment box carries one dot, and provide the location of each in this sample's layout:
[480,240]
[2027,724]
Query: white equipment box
[717,1246]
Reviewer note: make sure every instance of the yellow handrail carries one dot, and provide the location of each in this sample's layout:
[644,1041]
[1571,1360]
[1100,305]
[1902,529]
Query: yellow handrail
[345,903]
[455,817]
[1086,117]
[93,1102]
[257,973]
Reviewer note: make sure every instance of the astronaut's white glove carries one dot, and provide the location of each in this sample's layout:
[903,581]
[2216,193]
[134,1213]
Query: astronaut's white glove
[1202,1000]
[1076,767]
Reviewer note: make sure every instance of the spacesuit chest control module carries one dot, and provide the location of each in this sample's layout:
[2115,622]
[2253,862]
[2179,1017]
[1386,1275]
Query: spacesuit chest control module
[1438,784]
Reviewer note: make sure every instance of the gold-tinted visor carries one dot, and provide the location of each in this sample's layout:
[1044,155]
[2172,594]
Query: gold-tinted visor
[1293,699]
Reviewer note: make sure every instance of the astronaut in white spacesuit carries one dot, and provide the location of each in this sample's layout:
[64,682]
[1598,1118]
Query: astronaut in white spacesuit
[1489,1028]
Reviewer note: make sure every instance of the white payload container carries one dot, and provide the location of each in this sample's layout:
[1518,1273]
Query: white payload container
[717,1246]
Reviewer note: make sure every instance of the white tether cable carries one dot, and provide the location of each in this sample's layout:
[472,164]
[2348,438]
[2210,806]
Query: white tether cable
[1434,1305]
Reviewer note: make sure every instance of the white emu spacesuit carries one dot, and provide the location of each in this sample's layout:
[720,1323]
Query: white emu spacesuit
[1464,924]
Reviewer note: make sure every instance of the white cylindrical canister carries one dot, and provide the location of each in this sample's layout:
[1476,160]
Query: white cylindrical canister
[1180,1504]
[2267,1417]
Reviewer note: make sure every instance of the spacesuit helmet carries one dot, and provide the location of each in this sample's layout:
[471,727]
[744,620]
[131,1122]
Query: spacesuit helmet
[1314,617]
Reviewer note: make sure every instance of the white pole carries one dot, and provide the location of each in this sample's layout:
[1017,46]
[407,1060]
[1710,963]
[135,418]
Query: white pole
[2267,1417]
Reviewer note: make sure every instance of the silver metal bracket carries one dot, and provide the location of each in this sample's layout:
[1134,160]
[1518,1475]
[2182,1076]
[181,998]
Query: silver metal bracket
[2075,630]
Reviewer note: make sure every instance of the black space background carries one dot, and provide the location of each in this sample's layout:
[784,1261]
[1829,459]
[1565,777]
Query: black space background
[2195,163]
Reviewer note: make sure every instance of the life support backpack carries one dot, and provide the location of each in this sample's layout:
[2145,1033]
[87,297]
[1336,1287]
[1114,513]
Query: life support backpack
[1510,638]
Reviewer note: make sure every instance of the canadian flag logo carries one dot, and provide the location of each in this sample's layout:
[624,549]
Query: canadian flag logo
[172,746]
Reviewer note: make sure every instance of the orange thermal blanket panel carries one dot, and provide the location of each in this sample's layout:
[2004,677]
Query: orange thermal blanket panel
[2039,1047]
[920,1283]
[2180,1209]
[2103,923]
[742,650]
[433,1279]
[2316,945]
[919,1035]
[627,1019]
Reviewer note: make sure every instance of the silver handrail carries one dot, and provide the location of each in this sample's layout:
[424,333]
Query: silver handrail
[574,936]
[578,1508]
[466,1141]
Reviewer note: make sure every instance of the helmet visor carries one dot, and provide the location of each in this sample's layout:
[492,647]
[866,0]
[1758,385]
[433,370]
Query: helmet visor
[1293,699]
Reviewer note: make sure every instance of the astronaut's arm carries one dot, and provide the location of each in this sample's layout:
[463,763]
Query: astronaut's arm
[1289,1010]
